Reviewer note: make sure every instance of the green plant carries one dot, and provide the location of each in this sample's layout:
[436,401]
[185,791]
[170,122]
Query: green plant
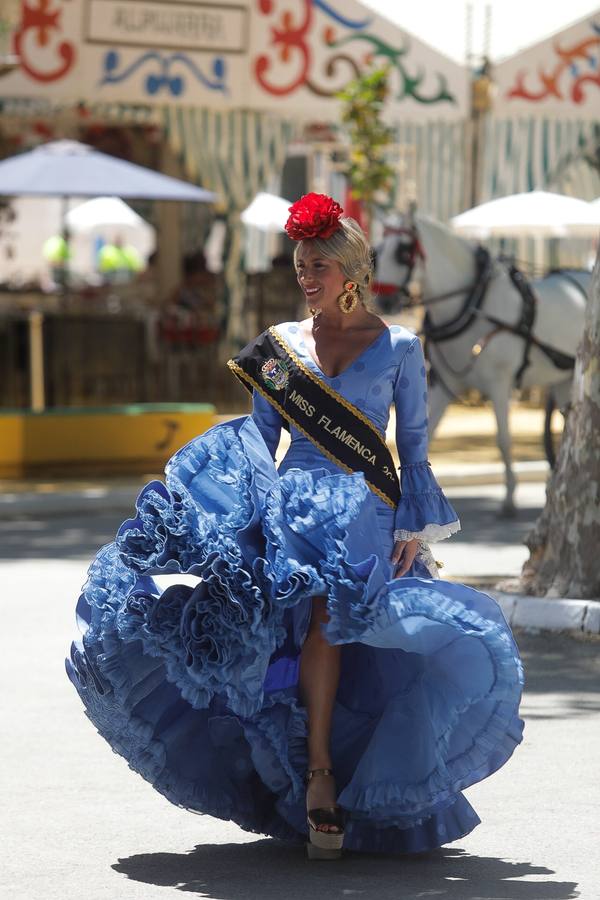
[369,174]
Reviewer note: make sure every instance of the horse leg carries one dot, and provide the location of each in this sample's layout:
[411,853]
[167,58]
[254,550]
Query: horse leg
[438,401]
[499,394]
[558,397]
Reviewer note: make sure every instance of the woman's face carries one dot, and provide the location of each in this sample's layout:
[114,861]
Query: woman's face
[321,279]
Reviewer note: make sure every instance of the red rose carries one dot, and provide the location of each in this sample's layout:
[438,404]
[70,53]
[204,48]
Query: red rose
[314,215]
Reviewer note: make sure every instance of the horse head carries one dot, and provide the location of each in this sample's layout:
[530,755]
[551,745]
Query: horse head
[417,256]
[395,261]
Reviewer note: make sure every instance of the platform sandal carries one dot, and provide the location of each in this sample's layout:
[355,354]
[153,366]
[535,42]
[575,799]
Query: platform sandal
[324,844]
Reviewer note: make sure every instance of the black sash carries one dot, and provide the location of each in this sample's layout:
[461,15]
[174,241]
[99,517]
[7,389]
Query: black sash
[336,427]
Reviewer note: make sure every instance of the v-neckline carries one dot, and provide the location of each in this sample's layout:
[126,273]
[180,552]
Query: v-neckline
[350,364]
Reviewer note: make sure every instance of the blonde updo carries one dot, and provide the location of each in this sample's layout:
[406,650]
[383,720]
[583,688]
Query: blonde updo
[349,247]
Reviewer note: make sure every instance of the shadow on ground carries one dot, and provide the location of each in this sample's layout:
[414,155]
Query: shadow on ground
[269,870]
[482,522]
[482,448]
[79,536]
[563,666]
[73,536]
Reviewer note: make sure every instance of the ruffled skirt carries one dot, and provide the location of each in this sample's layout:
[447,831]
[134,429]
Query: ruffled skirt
[193,621]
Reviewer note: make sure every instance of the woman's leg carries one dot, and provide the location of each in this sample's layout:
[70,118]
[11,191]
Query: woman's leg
[319,678]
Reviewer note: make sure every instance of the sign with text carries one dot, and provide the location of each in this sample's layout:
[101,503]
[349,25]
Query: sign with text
[189,26]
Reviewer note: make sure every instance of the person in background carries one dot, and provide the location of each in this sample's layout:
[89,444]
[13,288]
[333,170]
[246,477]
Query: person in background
[195,294]
[57,253]
[118,262]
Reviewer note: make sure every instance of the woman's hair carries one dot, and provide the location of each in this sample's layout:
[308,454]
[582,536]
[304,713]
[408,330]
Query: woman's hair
[348,245]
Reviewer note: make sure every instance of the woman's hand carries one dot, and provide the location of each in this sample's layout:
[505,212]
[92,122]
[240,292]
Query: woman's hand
[403,555]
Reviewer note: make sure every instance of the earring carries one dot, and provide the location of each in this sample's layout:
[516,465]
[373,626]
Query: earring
[348,301]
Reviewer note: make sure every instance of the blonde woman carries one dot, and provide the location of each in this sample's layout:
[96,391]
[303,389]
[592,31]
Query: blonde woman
[310,676]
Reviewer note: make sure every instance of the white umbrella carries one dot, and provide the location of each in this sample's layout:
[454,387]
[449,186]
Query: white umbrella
[102,211]
[110,219]
[534,214]
[267,212]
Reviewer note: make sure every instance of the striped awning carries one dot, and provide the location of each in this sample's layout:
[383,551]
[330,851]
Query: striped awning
[545,154]
[235,154]
[433,160]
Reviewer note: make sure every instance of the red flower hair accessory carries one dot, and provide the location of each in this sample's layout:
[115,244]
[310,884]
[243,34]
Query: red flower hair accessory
[314,215]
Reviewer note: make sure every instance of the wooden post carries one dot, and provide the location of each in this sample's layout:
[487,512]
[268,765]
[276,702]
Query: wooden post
[169,232]
[36,361]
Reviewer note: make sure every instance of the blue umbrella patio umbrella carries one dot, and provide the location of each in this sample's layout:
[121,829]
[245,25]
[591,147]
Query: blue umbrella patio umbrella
[71,169]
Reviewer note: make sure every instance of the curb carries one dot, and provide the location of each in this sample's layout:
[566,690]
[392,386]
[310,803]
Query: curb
[521,611]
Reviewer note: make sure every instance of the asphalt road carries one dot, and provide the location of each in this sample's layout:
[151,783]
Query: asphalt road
[76,822]
[500,551]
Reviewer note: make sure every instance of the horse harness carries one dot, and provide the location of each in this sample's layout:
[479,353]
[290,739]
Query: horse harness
[472,309]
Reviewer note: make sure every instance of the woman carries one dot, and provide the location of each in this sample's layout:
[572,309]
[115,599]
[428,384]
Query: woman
[275,647]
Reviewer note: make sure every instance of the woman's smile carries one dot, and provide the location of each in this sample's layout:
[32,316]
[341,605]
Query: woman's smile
[319,277]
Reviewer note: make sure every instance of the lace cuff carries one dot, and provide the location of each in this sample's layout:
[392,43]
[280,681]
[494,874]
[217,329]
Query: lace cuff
[423,511]
[430,533]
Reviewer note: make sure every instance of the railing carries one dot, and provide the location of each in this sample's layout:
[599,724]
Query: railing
[93,360]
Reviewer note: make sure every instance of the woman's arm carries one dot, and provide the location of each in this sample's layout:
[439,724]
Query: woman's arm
[423,513]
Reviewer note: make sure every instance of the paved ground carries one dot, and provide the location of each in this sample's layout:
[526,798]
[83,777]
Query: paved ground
[500,550]
[78,823]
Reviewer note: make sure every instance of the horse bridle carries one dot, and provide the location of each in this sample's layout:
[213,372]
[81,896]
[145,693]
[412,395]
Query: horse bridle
[407,254]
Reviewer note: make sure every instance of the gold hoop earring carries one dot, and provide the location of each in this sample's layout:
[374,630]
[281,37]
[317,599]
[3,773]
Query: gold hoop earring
[348,301]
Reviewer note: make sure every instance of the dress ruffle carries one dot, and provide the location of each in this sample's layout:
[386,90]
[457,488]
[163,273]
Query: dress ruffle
[423,512]
[192,625]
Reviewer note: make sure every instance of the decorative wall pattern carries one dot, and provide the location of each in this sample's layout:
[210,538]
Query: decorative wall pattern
[573,76]
[165,73]
[290,57]
[41,29]
[296,38]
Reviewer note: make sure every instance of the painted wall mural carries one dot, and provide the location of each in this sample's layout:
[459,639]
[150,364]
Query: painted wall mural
[576,70]
[41,29]
[310,45]
[289,56]
[165,74]
[558,76]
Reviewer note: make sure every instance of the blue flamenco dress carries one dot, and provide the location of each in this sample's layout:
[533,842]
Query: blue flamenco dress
[193,621]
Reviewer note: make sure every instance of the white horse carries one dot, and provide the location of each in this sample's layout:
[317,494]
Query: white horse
[478,321]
